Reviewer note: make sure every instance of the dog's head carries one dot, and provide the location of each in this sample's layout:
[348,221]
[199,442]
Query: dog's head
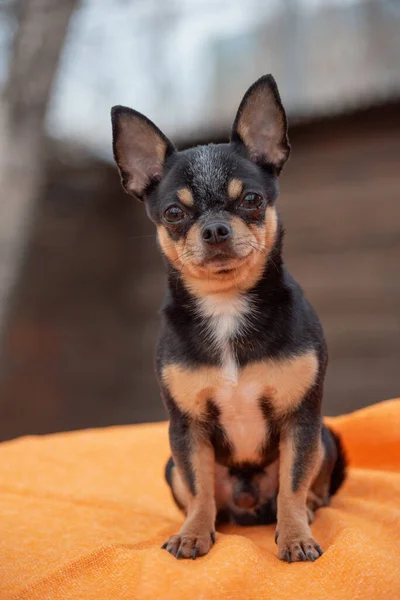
[213,205]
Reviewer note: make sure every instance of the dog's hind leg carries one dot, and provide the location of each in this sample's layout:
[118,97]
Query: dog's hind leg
[328,478]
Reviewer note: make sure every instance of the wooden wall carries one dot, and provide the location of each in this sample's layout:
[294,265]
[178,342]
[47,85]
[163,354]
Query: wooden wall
[80,342]
[340,201]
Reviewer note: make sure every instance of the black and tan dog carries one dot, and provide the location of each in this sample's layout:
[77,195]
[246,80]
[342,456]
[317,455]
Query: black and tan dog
[241,359]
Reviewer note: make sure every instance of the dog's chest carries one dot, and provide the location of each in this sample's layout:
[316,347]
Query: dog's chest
[237,396]
[239,393]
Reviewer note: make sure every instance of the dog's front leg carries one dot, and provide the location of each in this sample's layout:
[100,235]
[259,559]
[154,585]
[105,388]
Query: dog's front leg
[300,454]
[193,455]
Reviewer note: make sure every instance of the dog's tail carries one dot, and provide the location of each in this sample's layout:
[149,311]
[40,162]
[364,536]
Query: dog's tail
[339,471]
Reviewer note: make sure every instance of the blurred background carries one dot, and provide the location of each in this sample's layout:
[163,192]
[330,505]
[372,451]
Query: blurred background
[81,279]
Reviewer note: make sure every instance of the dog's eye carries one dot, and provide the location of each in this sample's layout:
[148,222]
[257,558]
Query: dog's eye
[174,214]
[251,201]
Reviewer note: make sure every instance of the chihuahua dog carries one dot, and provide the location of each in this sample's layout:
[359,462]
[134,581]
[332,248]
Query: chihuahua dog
[241,358]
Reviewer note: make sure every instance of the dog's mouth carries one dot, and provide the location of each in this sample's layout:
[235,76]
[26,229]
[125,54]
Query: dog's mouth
[221,260]
[223,264]
[227,262]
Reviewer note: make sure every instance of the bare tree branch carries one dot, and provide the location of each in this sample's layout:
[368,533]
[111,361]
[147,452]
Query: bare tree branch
[42,27]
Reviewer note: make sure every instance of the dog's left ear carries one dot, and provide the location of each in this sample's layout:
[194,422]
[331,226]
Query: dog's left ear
[261,125]
[140,150]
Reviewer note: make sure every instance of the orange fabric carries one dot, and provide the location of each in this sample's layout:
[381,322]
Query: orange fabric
[83,516]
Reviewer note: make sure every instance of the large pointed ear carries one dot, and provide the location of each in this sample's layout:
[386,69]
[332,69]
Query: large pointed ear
[261,125]
[140,150]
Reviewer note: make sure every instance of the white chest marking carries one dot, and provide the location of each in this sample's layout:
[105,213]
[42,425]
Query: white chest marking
[237,398]
[226,317]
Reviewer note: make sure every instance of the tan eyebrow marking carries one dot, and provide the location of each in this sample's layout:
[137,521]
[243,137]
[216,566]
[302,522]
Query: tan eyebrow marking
[185,196]
[235,188]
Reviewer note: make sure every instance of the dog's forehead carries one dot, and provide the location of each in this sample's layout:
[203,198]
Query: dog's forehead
[209,168]
[207,171]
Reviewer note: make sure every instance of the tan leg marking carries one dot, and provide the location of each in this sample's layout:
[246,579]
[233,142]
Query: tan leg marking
[223,488]
[318,494]
[197,534]
[294,538]
[180,490]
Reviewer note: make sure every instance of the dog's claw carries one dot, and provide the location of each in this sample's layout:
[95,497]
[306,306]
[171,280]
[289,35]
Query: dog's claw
[310,556]
[213,537]
[301,554]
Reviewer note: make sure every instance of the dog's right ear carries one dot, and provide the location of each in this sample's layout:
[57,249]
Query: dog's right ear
[140,150]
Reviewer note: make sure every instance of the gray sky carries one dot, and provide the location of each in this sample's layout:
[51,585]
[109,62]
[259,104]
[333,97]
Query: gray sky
[164,58]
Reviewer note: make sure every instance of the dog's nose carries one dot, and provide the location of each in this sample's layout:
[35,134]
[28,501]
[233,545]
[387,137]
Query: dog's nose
[216,233]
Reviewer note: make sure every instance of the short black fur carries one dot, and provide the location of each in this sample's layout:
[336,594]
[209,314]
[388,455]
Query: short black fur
[339,471]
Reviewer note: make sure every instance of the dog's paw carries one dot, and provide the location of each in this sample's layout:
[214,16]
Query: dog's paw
[190,545]
[298,549]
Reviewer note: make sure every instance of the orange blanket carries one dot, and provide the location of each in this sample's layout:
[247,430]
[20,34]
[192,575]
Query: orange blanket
[83,516]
